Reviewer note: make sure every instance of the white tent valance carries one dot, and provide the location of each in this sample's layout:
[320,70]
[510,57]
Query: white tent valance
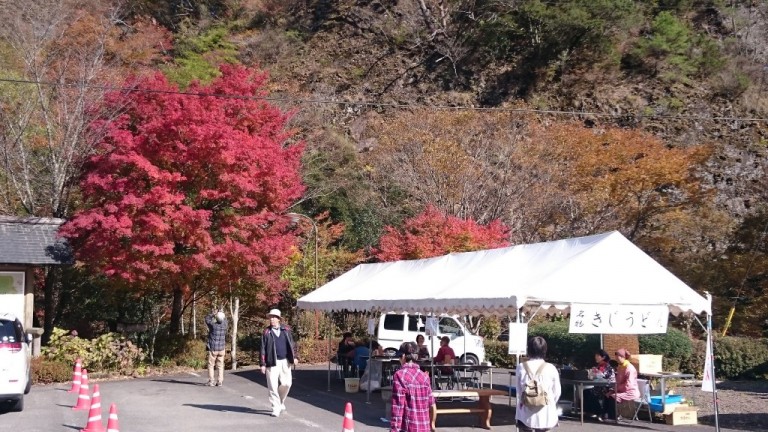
[599,269]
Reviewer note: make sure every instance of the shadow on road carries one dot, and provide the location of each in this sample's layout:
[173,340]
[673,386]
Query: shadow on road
[310,385]
[175,381]
[230,408]
[744,421]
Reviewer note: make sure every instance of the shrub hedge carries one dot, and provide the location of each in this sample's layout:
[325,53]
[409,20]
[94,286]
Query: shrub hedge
[674,345]
[735,357]
[741,358]
[564,347]
[496,353]
[108,352]
[46,371]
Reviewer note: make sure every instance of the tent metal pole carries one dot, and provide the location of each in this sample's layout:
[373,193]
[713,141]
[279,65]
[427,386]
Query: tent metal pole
[517,362]
[369,365]
[708,329]
[712,364]
[329,336]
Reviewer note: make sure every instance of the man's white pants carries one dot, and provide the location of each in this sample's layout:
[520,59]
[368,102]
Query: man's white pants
[279,381]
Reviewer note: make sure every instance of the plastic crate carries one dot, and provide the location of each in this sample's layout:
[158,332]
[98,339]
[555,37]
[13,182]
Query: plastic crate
[670,399]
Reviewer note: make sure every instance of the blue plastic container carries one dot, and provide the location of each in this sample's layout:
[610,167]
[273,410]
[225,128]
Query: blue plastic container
[670,399]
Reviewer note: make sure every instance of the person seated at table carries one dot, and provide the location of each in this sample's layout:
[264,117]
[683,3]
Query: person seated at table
[626,384]
[346,346]
[359,356]
[362,353]
[378,350]
[423,350]
[446,356]
[594,398]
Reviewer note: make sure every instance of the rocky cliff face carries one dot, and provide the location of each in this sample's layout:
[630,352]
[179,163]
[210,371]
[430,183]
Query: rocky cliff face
[390,52]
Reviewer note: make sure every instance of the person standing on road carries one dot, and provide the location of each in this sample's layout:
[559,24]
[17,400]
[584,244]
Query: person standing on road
[537,418]
[413,404]
[216,346]
[278,353]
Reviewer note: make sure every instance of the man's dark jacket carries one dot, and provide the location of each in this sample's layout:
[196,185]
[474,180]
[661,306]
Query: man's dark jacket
[217,334]
[268,355]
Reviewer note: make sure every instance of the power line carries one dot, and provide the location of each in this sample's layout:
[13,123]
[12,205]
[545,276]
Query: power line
[373,104]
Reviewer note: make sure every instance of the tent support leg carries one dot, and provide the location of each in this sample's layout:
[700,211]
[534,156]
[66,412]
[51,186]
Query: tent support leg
[708,329]
[327,331]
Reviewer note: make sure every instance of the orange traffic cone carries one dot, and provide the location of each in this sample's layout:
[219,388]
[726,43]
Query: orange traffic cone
[94,415]
[112,422]
[349,424]
[83,399]
[76,374]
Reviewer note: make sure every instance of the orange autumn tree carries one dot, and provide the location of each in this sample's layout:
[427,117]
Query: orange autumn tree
[432,233]
[611,178]
[465,163]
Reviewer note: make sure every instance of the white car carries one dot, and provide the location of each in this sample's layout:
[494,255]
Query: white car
[15,359]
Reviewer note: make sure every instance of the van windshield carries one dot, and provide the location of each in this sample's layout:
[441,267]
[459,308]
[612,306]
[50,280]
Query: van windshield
[449,326]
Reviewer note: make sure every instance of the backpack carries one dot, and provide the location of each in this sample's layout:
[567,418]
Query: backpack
[534,396]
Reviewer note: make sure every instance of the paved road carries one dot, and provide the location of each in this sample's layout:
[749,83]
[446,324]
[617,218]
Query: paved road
[183,403]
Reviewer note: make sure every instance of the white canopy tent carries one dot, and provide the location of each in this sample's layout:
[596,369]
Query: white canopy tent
[599,269]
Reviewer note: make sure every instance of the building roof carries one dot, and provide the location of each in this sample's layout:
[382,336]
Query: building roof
[33,241]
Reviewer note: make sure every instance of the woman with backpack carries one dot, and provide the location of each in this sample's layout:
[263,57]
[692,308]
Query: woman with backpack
[538,389]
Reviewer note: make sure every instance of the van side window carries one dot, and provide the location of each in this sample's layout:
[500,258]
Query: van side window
[413,323]
[394,322]
[449,326]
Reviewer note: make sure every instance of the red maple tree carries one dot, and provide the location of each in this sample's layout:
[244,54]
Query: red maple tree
[432,233]
[188,190]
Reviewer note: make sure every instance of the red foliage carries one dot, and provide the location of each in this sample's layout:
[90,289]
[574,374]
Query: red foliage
[433,234]
[190,188]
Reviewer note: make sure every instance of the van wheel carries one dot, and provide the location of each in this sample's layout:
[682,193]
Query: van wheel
[471,359]
[18,406]
[28,388]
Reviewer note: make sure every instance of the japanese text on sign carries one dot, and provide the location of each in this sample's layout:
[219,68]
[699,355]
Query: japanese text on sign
[618,319]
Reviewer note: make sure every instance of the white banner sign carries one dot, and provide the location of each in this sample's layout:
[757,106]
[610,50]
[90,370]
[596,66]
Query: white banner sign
[618,319]
[518,338]
[707,383]
[432,326]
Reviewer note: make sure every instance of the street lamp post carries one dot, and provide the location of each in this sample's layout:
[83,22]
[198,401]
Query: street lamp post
[295,218]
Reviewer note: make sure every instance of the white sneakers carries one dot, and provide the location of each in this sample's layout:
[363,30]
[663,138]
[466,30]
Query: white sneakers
[276,413]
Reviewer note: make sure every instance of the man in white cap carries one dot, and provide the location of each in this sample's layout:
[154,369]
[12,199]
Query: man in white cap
[216,346]
[278,353]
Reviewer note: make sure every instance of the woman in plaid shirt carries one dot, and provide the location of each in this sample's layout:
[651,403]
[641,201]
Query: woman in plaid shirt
[412,400]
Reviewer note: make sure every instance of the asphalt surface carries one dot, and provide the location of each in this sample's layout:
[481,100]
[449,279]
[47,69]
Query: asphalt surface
[182,402]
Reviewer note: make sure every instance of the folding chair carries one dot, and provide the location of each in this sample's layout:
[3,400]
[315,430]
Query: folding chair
[448,378]
[339,367]
[644,399]
[470,378]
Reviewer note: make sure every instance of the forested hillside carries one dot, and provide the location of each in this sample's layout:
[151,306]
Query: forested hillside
[554,118]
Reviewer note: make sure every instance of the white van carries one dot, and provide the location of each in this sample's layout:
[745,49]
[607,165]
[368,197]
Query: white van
[396,328]
[15,359]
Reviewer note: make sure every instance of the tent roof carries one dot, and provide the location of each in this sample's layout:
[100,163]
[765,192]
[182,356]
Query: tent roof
[599,269]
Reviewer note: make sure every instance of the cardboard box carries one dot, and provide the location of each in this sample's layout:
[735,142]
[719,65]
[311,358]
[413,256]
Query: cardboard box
[646,363]
[682,415]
